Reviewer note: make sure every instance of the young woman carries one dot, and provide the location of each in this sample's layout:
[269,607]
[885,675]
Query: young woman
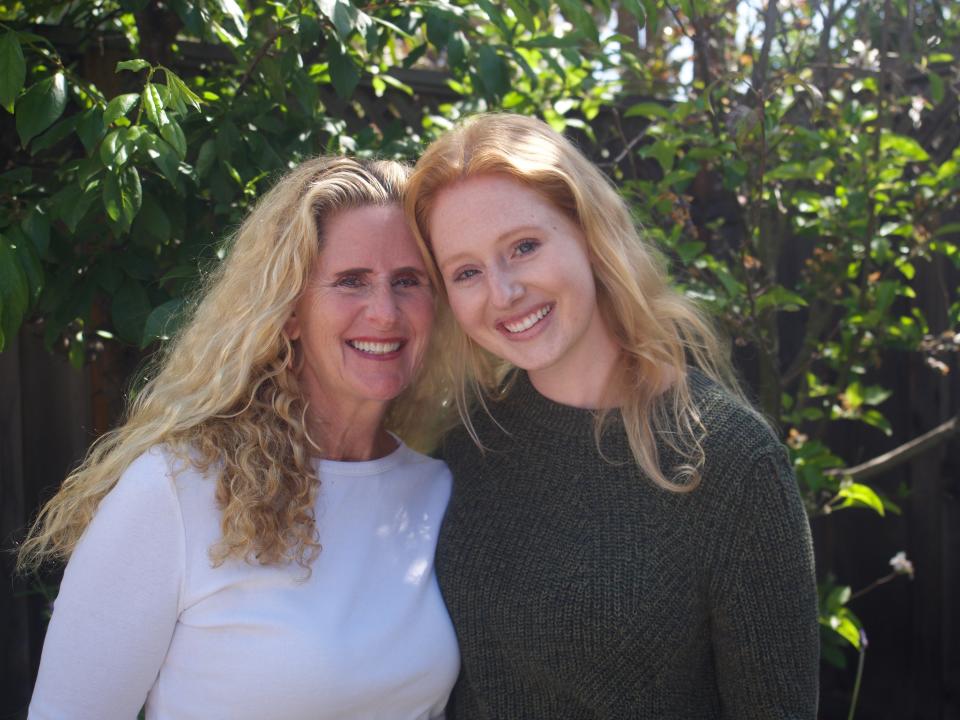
[625,537]
[253,542]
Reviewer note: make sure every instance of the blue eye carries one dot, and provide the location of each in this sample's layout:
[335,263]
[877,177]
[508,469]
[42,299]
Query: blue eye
[465,274]
[525,247]
[407,281]
[350,281]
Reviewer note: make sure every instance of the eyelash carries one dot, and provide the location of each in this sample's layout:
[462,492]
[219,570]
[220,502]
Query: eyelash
[462,275]
[407,281]
[354,281]
[532,244]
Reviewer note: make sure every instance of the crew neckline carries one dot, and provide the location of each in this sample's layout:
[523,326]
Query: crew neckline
[528,405]
[358,468]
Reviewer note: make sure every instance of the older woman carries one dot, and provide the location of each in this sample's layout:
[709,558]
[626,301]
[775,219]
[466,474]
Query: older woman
[253,541]
[625,537]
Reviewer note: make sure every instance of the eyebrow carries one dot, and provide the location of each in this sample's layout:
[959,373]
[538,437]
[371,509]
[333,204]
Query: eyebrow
[369,271]
[508,235]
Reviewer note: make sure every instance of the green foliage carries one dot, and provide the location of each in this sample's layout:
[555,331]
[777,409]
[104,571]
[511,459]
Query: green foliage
[829,149]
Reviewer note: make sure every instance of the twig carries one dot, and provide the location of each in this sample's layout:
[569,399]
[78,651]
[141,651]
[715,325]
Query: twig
[856,683]
[261,53]
[875,584]
[679,22]
[770,20]
[899,455]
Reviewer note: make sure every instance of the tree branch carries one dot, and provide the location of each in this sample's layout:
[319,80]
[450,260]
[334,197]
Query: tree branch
[899,455]
[770,21]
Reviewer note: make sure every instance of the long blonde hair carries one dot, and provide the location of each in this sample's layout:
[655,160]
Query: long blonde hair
[224,393]
[659,331]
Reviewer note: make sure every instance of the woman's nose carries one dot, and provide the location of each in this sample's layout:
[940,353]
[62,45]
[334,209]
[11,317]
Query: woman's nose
[505,288]
[382,308]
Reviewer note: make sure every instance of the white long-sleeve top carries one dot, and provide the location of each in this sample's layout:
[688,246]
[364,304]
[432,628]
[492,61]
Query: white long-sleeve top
[144,617]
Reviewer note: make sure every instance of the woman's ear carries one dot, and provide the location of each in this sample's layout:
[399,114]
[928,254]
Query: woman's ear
[291,328]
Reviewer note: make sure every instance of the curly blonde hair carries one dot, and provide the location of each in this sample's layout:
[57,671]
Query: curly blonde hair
[659,331]
[224,393]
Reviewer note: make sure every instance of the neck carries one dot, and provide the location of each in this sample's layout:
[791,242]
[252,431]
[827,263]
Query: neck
[585,376]
[355,438]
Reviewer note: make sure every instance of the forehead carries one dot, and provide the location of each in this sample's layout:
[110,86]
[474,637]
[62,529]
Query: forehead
[373,236]
[484,208]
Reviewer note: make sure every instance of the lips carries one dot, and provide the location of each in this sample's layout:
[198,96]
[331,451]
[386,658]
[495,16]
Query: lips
[525,322]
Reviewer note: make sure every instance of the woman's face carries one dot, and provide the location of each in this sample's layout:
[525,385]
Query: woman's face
[518,276]
[364,319]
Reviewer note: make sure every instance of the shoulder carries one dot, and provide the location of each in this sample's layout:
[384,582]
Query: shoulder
[423,464]
[428,472]
[735,433]
[146,481]
[745,464]
[140,514]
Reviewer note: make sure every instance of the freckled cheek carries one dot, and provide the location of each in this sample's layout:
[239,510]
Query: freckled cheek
[468,310]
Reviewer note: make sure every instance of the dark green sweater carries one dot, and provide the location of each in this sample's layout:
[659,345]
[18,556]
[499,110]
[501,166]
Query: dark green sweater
[579,589]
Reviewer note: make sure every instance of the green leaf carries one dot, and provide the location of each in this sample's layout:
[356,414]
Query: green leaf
[438,27]
[119,107]
[457,50]
[232,10]
[152,221]
[130,309]
[205,158]
[344,73]
[936,88]
[780,298]
[153,104]
[185,93]
[29,262]
[494,71]
[690,250]
[163,321]
[51,137]
[875,395]
[122,196]
[172,133]
[523,14]
[845,625]
[13,70]
[36,225]
[40,106]
[91,127]
[859,495]
[837,598]
[906,147]
[14,291]
[635,8]
[164,157]
[72,203]
[345,17]
[648,109]
[132,65]
[877,419]
[663,151]
[576,13]
[114,150]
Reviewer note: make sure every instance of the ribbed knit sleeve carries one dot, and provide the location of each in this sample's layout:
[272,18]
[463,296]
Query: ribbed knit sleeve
[764,602]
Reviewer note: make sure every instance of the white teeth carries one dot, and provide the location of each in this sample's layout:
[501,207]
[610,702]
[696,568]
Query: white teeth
[529,321]
[374,348]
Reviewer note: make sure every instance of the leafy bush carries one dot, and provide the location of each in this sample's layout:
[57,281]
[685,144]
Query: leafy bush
[798,164]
